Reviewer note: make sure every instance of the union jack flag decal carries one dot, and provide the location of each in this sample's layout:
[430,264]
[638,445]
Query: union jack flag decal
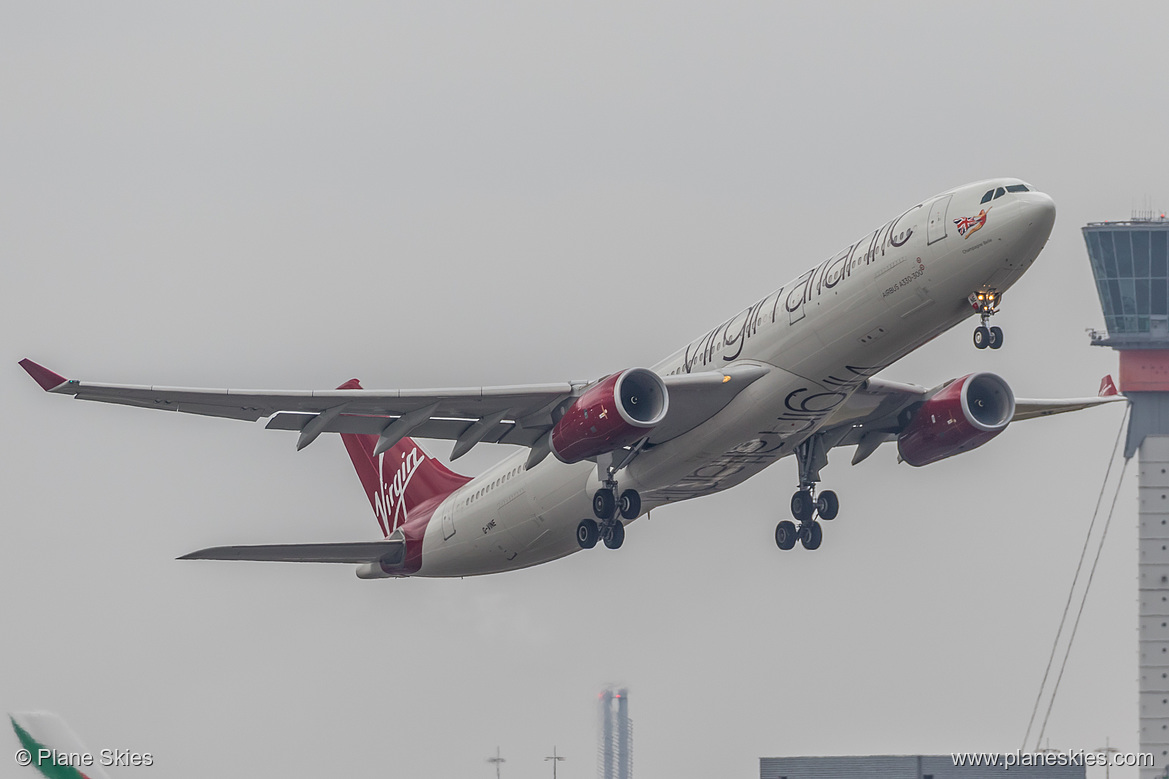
[968,225]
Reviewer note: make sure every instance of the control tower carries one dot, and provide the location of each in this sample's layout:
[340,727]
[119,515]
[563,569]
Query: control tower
[1130,263]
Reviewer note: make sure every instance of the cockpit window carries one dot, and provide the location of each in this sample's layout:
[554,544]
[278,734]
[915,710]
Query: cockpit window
[1018,188]
[999,193]
[989,194]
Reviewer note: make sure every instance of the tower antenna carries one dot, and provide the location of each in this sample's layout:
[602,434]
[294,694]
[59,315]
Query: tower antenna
[497,760]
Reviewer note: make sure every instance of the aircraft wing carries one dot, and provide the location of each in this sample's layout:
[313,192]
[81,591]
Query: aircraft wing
[521,414]
[877,411]
[1028,408]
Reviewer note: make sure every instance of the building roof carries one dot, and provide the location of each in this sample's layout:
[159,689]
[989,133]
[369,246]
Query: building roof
[906,767]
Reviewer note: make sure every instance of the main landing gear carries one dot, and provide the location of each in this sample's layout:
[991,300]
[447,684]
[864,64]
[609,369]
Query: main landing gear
[589,532]
[610,506]
[611,532]
[987,305]
[806,505]
[609,511]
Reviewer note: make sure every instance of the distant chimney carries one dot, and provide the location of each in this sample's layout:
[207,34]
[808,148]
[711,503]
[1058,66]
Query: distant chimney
[615,751]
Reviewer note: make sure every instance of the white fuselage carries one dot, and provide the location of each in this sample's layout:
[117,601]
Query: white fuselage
[822,334]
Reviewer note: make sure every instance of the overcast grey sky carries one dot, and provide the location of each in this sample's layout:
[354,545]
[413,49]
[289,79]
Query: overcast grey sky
[285,196]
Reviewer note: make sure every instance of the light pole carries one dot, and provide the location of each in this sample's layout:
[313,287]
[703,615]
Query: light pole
[497,760]
[555,758]
[1107,750]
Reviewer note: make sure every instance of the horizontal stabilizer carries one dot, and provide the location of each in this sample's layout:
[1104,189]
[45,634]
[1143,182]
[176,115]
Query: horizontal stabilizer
[389,551]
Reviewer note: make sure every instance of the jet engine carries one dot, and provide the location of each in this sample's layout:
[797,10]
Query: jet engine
[959,416]
[614,413]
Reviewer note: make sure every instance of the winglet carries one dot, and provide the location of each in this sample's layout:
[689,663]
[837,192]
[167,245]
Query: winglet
[42,375]
[1107,388]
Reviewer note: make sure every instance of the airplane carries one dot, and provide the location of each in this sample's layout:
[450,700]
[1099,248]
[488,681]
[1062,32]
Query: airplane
[50,747]
[793,374]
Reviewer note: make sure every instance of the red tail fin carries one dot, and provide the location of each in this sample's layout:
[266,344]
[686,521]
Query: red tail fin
[399,480]
[1107,387]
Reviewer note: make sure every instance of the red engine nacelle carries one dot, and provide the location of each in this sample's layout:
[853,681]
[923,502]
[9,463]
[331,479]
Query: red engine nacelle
[958,417]
[613,413]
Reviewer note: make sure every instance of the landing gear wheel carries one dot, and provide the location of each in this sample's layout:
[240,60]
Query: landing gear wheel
[587,534]
[811,535]
[604,505]
[786,535]
[827,505]
[630,504]
[996,337]
[614,535]
[802,506]
[981,337]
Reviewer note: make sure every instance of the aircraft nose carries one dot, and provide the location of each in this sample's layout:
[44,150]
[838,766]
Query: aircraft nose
[1032,224]
[1039,211]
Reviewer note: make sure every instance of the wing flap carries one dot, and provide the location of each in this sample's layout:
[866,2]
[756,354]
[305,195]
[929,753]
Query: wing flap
[388,551]
[504,432]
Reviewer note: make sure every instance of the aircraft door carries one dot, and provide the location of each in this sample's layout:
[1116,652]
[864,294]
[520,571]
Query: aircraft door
[448,523]
[936,229]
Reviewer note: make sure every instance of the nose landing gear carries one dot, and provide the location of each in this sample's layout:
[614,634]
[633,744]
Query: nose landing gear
[986,303]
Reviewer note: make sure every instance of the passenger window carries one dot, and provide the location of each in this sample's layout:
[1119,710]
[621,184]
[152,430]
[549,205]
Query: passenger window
[989,194]
[999,193]
[1017,188]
